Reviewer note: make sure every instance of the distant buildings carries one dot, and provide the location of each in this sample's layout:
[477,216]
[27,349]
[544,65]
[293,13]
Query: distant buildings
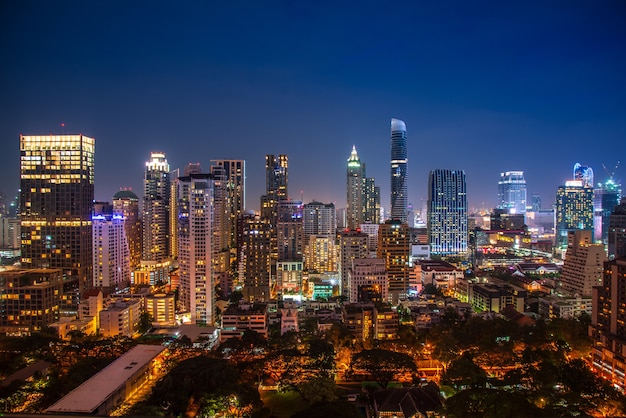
[399,160]
[362,197]
[56,201]
[447,212]
[368,281]
[512,192]
[605,197]
[126,204]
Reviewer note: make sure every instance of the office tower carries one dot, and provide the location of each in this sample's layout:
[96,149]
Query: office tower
[230,196]
[368,281]
[111,254]
[605,197]
[126,205]
[394,246]
[583,173]
[573,210]
[352,245]
[290,231]
[398,170]
[355,185]
[371,202]
[512,192]
[617,231]
[156,209]
[319,219]
[536,202]
[196,289]
[608,323]
[275,185]
[447,212]
[255,259]
[56,200]
[30,299]
[582,269]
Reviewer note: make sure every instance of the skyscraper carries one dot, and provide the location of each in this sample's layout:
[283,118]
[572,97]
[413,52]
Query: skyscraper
[573,210]
[156,209]
[276,170]
[605,197]
[512,192]
[447,212]
[196,289]
[126,204]
[362,194]
[355,184]
[398,170]
[230,197]
[617,231]
[56,201]
[111,255]
[394,246]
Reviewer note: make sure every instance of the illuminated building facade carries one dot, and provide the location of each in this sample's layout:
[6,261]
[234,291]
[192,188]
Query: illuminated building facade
[447,212]
[290,231]
[399,162]
[161,307]
[584,174]
[352,245]
[394,246]
[156,209]
[196,289]
[56,201]
[605,197]
[319,219]
[276,182]
[29,299]
[230,198]
[255,259]
[512,192]
[368,281]
[126,204]
[321,254]
[608,324]
[617,231]
[573,210]
[363,196]
[111,256]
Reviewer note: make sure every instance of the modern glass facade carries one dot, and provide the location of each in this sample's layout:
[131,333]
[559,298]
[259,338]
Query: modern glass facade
[56,201]
[573,210]
[447,212]
[156,209]
[398,170]
[512,192]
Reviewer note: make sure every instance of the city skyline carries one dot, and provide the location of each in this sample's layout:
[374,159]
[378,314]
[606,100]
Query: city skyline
[229,82]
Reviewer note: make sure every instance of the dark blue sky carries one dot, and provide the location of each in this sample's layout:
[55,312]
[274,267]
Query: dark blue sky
[482,86]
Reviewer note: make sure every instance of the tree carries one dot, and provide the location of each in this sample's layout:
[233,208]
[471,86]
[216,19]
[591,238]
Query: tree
[489,403]
[464,373]
[317,389]
[145,322]
[383,365]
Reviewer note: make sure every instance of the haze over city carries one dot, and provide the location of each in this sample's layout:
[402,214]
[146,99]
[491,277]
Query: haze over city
[484,87]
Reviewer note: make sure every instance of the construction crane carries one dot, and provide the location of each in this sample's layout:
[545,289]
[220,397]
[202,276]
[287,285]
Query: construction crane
[611,174]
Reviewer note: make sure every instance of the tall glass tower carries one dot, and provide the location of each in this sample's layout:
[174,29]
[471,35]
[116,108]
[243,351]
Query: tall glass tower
[354,187]
[447,212]
[512,192]
[56,201]
[573,210]
[156,209]
[398,170]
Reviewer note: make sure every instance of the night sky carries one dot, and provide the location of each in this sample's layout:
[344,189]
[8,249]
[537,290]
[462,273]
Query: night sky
[482,86]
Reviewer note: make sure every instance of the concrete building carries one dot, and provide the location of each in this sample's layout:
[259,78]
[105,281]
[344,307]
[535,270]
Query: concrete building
[494,297]
[126,204]
[321,254]
[583,266]
[102,393]
[121,318]
[238,318]
[394,246]
[352,245]
[564,307]
[156,209]
[161,308]
[368,281]
[111,252]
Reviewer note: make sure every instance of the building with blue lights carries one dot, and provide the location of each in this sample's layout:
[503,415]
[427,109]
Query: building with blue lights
[156,209]
[447,212]
[573,210]
[512,192]
[111,255]
[399,161]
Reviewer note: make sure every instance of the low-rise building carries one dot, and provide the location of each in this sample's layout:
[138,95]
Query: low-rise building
[121,318]
[238,318]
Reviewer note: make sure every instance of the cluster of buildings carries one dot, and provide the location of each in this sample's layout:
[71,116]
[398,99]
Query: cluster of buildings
[190,240]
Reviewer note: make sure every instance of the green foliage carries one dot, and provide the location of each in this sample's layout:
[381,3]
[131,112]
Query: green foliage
[383,365]
[464,373]
[318,389]
[489,403]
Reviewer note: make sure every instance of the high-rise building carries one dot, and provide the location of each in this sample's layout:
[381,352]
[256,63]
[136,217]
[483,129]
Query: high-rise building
[10,236]
[536,202]
[605,197]
[573,210]
[617,231]
[290,231]
[56,201]
[196,289]
[608,323]
[276,170]
[319,218]
[255,259]
[447,212]
[111,255]
[352,245]
[583,266]
[126,204]
[399,161]
[173,212]
[230,198]
[394,246]
[156,209]
[320,254]
[512,192]
[355,185]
